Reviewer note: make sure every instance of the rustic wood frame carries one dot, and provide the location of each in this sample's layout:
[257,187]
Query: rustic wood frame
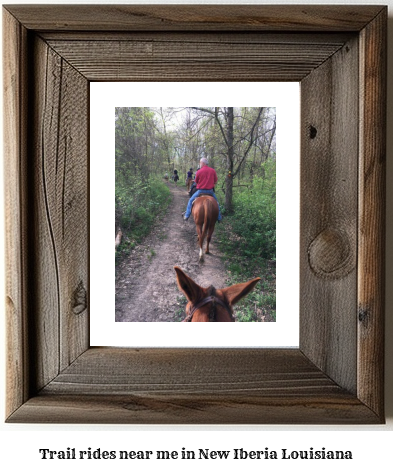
[338,54]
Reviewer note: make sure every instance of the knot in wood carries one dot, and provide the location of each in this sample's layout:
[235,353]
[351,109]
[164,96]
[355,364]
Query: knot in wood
[80,299]
[363,316]
[331,254]
[313,132]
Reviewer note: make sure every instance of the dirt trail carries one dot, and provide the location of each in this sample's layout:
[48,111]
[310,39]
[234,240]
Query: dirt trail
[146,288]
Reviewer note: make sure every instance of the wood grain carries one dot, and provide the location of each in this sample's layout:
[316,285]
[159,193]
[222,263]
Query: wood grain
[329,173]
[61,213]
[208,410]
[201,37]
[193,386]
[50,55]
[194,17]
[372,169]
[14,70]
[216,60]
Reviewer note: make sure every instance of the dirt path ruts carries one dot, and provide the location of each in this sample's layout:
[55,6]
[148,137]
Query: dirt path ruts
[146,288]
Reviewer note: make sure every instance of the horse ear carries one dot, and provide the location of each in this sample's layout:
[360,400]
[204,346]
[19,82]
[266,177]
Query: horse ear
[236,292]
[187,285]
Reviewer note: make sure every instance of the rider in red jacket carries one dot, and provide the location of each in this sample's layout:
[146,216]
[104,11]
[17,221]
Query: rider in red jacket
[205,179]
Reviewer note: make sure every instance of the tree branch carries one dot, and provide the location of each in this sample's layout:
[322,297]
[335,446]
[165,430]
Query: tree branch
[215,114]
[252,140]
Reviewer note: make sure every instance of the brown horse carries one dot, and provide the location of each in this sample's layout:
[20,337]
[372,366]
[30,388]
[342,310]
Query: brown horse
[205,213]
[208,304]
[189,182]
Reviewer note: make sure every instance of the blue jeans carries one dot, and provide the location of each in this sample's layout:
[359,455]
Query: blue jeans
[210,192]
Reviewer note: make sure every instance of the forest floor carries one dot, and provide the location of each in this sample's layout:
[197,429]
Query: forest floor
[146,288]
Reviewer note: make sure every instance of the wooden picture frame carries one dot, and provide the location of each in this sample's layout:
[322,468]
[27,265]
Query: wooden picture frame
[338,54]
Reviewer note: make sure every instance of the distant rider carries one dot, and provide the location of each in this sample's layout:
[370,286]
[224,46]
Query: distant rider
[189,179]
[205,179]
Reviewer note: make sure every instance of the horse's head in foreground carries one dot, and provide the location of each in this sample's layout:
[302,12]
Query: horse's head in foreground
[208,304]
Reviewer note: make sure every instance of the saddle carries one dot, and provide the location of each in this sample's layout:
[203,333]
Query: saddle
[196,199]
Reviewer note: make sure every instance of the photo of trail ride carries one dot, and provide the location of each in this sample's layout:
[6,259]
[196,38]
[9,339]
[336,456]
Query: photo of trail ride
[214,261]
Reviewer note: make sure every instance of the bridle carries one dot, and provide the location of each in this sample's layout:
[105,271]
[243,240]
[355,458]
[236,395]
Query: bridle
[214,300]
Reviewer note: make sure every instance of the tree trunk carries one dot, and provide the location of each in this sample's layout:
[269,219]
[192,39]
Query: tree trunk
[166,141]
[228,179]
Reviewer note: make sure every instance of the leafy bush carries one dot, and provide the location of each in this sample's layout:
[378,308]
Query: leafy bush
[248,239]
[137,203]
[255,219]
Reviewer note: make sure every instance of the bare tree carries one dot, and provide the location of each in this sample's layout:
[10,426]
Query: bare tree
[225,119]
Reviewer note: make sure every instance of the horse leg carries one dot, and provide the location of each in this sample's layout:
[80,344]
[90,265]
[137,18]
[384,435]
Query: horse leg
[209,237]
[200,241]
[207,243]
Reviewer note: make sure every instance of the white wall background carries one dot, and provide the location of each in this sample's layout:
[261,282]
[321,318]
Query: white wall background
[104,97]
[371,445]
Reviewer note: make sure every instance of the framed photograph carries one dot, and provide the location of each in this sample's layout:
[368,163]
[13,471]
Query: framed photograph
[52,55]
[142,274]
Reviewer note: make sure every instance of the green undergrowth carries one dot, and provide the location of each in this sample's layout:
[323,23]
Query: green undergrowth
[247,237]
[137,207]
[260,304]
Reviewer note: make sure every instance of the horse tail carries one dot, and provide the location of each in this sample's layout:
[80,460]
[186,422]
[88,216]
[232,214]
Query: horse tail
[206,221]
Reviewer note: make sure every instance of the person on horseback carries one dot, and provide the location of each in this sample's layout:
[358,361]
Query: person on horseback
[175,177]
[205,179]
[189,179]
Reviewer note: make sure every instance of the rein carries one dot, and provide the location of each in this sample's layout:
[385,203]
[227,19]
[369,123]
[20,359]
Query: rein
[212,298]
